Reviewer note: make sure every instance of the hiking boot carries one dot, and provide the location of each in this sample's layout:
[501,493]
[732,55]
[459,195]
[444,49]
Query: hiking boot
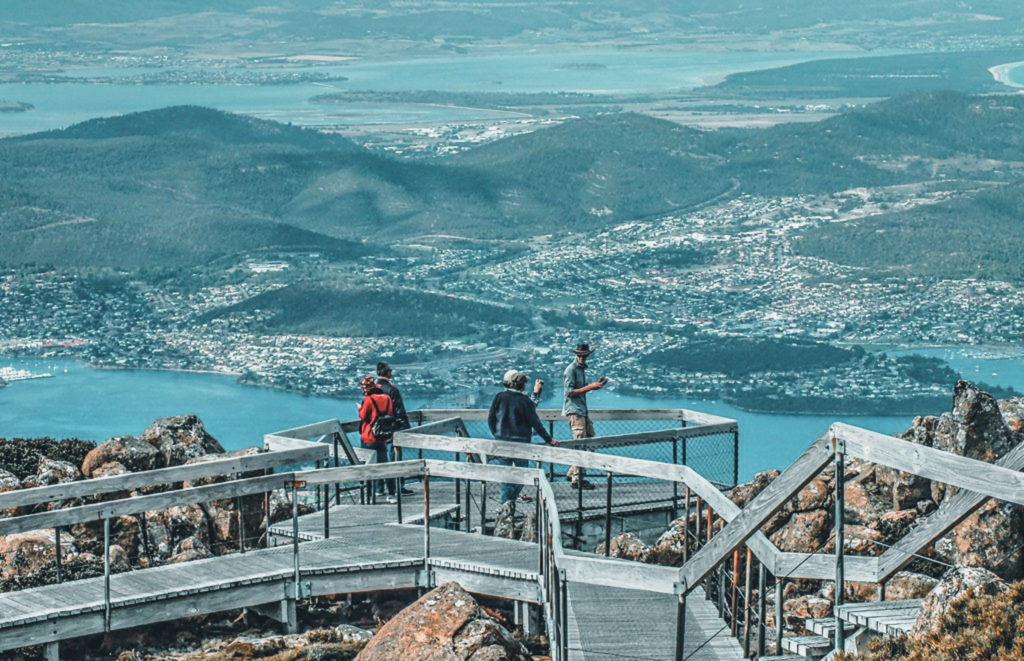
[406,491]
[392,500]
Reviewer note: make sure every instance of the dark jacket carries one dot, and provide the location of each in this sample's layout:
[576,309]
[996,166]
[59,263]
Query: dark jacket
[513,417]
[391,391]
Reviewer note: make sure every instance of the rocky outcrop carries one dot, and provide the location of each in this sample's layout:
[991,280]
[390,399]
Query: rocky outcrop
[132,453]
[180,438]
[955,584]
[52,471]
[29,552]
[446,624]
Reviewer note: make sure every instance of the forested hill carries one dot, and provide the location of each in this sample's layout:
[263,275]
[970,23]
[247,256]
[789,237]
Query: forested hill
[185,185]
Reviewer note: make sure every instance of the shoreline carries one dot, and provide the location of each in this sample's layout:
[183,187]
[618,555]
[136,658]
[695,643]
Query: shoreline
[1001,73]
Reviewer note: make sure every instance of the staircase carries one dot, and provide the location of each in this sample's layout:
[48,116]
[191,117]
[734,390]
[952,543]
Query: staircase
[861,621]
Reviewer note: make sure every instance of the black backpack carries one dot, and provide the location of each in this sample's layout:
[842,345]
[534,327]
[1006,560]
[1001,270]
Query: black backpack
[383,427]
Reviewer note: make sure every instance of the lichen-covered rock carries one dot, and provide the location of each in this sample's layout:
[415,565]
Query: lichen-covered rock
[805,532]
[24,553]
[796,611]
[132,453]
[52,471]
[989,538]
[180,438]
[816,495]
[446,624]
[628,546]
[895,524]
[863,504]
[668,549]
[744,493]
[909,585]
[955,583]
[190,548]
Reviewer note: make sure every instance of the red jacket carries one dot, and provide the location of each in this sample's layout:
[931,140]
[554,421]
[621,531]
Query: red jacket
[373,405]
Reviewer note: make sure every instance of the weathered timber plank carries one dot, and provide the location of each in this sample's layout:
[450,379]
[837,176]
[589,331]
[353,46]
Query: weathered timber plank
[757,512]
[620,574]
[129,481]
[51,630]
[322,428]
[947,517]
[644,437]
[971,474]
[822,566]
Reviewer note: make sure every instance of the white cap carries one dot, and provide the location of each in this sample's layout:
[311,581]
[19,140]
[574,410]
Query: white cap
[511,376]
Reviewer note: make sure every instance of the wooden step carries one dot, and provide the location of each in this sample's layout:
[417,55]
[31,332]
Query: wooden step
[826,626]
[811,647]
[885,617]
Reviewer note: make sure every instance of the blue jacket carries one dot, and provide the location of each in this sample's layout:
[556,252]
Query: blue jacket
[513,417]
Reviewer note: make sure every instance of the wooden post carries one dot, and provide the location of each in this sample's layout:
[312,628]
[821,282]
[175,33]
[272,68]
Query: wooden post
[881,590]
[551,467]
[747,610]
[51,651]
[608,519]
[700,515]
[680,622]
[675,485]
[540,530]
[106,573]
[762,603]
[458,495]
[840,502]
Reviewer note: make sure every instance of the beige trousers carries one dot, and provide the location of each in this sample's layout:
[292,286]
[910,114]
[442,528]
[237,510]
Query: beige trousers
[581,427]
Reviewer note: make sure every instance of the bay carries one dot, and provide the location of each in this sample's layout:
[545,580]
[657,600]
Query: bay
[96,404]
[60,104]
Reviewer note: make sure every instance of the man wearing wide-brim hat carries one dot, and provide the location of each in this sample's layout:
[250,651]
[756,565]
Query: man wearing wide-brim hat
[575,407]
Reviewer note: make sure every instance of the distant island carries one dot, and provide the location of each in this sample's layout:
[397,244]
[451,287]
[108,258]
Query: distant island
[15,106]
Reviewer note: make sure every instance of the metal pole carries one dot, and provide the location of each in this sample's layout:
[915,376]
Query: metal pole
[686,526]
[762,603]
[579,513]
[337,485]
[56,537]
[675,485]
[735,580]
[721,590]
[551,466]
[483,507]
[747,610]
[881,590]
[778,616]
[241,525]
[468,508]
[458,493]
[426,523]
[840,502]
[540,529]
[736,457]
[327,513]
[295,536]
[680,622]
[564,609]
[106,573]
[608,519]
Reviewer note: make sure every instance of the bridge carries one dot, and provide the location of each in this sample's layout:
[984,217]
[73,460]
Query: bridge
[591,606]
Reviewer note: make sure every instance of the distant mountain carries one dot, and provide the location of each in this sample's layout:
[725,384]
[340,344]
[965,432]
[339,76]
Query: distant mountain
[182,186]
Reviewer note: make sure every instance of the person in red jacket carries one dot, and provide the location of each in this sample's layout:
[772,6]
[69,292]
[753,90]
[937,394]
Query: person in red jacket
[374,405]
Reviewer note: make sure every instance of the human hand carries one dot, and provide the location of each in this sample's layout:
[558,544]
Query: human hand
[537,386]
[554,443]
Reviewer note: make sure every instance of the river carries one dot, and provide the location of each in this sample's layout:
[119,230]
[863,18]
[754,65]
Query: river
[79,401]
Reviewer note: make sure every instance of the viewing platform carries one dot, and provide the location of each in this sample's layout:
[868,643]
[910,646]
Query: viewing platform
[590,605]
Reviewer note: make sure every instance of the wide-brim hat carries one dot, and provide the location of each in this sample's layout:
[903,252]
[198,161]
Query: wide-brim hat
[583,349]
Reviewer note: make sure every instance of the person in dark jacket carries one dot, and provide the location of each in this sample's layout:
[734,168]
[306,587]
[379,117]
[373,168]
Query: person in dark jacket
[401,415]
[513,417]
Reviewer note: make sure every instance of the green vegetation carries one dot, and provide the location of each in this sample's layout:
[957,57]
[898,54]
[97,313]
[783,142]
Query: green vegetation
[739,356]
[974,628]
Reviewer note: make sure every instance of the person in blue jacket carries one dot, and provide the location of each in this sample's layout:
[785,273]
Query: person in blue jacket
[513,417]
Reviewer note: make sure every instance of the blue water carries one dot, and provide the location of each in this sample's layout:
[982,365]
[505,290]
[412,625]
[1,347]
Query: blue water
[59,105]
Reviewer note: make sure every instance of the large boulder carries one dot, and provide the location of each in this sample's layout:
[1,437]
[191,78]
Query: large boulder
[805,532]
[446,624]
[628,546]
[132,453]
[25,553]
[909,585]
[180,438]
[956,583]
[989,538]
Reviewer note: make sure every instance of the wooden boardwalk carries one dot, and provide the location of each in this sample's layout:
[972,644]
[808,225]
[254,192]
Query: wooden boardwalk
[366,551]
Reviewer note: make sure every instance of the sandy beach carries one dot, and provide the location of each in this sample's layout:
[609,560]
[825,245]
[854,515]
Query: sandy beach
[1001,72]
